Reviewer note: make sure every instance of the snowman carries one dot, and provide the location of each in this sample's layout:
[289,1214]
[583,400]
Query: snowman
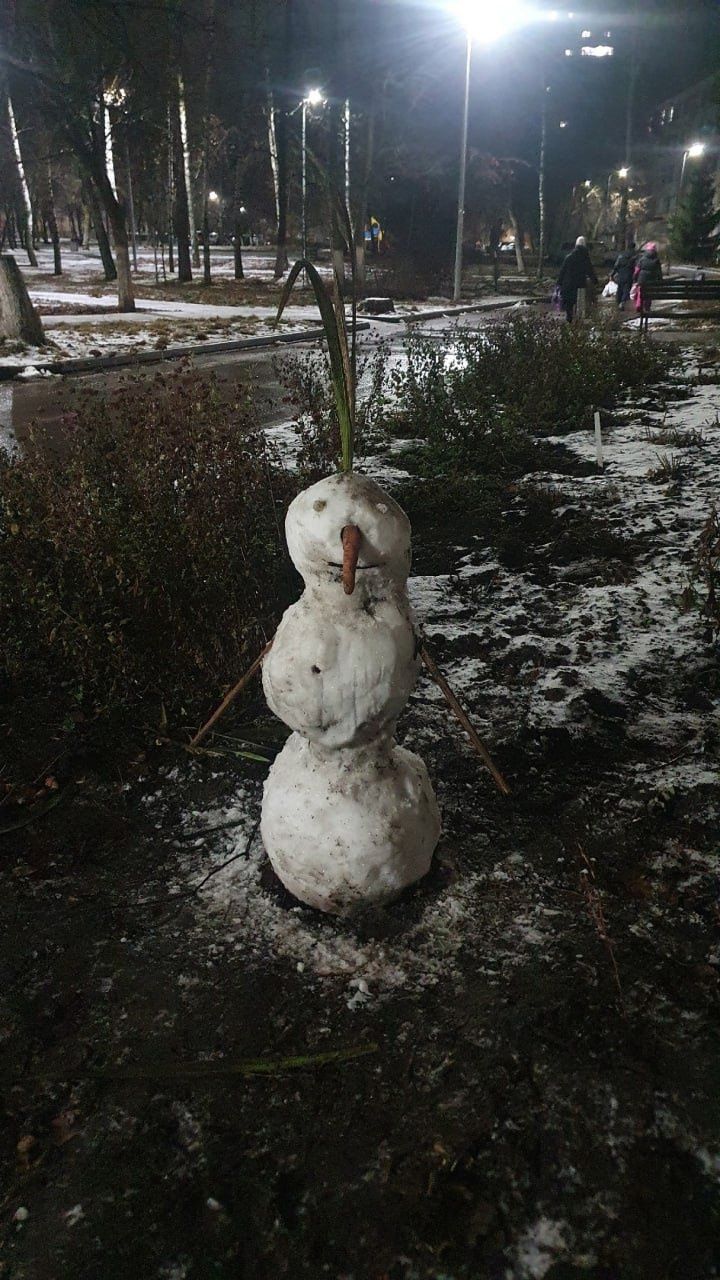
[349,818]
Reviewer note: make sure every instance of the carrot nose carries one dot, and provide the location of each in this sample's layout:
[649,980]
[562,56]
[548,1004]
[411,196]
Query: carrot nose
[351,537]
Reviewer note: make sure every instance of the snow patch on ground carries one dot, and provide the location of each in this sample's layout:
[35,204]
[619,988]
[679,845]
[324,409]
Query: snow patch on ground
[538,655]
[539,1248]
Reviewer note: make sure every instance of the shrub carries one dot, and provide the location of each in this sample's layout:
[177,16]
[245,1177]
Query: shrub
[309,391]
[145,560]
[523,376]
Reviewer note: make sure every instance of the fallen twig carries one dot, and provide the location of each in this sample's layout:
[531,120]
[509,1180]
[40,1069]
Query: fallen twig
[596,912]
[465,721]
[245,1067]
[33,816]
[230,697]
[190,893]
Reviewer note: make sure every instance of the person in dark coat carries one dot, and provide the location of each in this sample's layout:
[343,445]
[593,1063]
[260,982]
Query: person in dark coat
[648,270]
[575,272]
[623,272]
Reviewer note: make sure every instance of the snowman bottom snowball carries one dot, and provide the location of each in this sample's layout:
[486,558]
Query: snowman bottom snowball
[350,828]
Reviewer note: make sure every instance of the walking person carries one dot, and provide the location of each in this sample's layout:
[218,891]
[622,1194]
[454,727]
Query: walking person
[623,272]
[647,271]
[575,272]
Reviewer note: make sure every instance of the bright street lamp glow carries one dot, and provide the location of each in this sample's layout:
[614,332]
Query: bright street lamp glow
[587,183]
[623,173]
[486,20]
[213,195]
[697,149]
[314,97]
[243,209]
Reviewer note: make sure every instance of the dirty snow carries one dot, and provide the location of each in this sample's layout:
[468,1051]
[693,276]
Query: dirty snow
[577,650]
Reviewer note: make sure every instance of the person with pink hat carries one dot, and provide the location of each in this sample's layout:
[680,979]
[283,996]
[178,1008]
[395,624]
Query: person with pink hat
[648,271]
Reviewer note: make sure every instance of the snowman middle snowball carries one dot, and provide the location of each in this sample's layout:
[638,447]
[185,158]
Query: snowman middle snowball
[348,818]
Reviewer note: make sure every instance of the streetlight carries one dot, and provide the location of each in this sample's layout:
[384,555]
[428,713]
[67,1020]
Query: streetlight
[484,21]
[623,173]
[313,98]
[213,197]
[693,152]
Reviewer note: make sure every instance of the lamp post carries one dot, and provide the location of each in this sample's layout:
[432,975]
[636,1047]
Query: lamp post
[693,152]
[313,98]
[484,21]
[457,281]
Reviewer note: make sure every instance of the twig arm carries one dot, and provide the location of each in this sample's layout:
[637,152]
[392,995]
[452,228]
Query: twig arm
[462,717]
[231,696]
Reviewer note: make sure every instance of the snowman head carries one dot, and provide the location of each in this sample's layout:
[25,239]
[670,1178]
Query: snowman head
[346,528]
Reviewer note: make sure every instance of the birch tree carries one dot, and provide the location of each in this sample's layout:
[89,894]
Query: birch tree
[22,182]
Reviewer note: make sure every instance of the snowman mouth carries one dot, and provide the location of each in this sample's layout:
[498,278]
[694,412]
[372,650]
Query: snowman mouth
[335,564]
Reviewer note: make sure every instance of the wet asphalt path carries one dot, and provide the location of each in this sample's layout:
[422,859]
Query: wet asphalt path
[44,400]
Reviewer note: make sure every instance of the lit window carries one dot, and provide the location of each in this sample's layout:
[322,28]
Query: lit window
[563,124]
[597,51]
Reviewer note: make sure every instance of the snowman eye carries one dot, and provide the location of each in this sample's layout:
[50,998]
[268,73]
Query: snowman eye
[319,505]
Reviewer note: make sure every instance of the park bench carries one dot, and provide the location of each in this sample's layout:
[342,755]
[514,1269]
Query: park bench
[676,289]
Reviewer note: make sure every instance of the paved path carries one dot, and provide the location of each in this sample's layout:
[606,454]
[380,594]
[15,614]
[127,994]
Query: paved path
[151,307]
[22,403]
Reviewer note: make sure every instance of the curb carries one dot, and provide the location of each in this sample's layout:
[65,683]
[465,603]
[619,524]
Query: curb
[416,317]
[101,364]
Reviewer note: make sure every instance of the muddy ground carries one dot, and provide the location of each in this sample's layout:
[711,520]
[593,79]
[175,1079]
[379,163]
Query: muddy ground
[538,1092]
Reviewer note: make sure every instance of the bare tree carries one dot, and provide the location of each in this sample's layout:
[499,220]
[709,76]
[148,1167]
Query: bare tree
[22,183]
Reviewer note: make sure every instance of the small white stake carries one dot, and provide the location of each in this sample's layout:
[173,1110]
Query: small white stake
[598,442]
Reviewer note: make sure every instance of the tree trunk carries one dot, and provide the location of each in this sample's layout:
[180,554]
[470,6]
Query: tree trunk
[621,237]
[52,222]
[519,237]
[239,223]
[18,317]
[171,185]
[108,141]
[281,257]
[239,270]
[131,205]
[272,142]
[187,169]
[118,222]
[281,138]
[495,233]
[182,222]
[20,170]
[93,161]
[360,200]
[100,232]
[207,275]
[210,23]
[541,179]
